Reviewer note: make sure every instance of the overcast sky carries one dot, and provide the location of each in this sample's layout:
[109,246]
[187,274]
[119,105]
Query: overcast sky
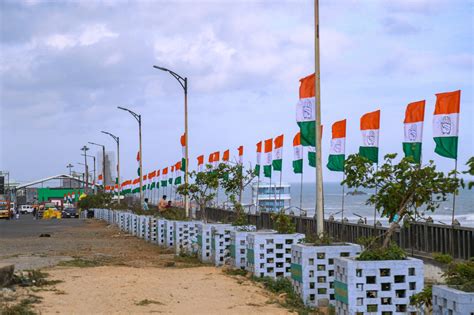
[66,65]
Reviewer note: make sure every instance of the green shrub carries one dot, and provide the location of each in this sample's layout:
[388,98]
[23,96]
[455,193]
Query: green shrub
[282,223]
[442,258]
[461,276]
[392,252]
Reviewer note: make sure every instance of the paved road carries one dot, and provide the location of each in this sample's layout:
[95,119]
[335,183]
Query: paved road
[27,227]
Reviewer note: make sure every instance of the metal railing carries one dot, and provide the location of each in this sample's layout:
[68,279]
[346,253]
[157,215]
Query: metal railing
[416,238]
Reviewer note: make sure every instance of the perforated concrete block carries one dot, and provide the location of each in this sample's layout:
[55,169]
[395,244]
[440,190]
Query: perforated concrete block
[168,233]
[204,240]
[376,287]
[312,270]
[269,254]
[185,236]
[447,301]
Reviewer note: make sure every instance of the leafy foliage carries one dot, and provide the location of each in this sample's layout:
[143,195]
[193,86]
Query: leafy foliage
[282,223]
[443,258]
[423,298]
[392,252]
[100,200]
[174,214]
[470,171]
[460,275]
[402,187]
[321,240]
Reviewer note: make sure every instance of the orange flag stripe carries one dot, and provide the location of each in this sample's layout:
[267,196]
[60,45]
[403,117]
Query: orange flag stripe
[415,112]
[226,155]
[268,145]
[339,129]
[370,120]
[200,159]
[297,139]
[307,86]
[259,146]
[279,141]
[448,103]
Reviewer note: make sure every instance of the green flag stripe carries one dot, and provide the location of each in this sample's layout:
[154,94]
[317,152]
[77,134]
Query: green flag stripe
[412,149]
[307,129]
[371,153]
[277,164]
[267,170]
[447,146]
[336,162]
[298,166]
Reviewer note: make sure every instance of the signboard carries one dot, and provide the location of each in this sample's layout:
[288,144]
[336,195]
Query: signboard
[340,290]
[297,273]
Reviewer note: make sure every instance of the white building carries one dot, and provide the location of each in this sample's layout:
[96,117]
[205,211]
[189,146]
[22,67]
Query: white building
[272,197]
[449,301]
[376,287]
[269,254]
[312,270]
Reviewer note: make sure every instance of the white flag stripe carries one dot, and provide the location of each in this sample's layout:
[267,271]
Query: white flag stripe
[446,125]
[259,158]
[268,158]
[278,153]
[414,132]
[305,109]
[338,146]
[370,137]
[298,152]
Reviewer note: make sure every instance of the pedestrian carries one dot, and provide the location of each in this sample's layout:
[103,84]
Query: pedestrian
[168,205]
[162,204]
[34,213]
[145,205]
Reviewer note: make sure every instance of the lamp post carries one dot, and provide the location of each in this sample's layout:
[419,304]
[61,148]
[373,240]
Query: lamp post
[85,175]
[139,120]
[117,140]
[103,160]
[70,166]
[93,158]
[85,149]
[184,84]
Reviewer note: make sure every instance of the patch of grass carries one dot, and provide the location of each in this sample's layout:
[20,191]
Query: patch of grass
[235,272]
[283,286]
[187,260]
[146,302]
[442,258]
[35,278]
[81,263]
[25,307]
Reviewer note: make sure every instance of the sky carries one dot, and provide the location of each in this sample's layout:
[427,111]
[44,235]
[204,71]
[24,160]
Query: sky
[65,66]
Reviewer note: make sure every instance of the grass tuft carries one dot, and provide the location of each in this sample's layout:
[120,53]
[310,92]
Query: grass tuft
[80,263]
[146,302]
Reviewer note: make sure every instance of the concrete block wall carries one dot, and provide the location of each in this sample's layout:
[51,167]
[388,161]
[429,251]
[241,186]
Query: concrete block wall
[160,232]
[204,238]
[269,254]
[376,287]
[238,247]
[312,270]
[169,233]
[152,230]
[185,236]
[220,243]
[450,301]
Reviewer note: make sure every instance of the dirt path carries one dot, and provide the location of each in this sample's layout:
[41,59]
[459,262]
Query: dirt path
[104,271]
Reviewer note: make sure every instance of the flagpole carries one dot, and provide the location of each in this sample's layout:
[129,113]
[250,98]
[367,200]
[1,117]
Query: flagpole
[375,209]
[301,191]
[271,187]
[258,187]
[319,173]
[279,191]
[342,205]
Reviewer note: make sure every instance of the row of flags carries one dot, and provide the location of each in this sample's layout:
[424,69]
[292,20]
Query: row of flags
[445,133]
[71,196]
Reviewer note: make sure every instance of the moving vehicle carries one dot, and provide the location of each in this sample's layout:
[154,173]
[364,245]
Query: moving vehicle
[5,212]
[69,212]
[51,211]
[24,209]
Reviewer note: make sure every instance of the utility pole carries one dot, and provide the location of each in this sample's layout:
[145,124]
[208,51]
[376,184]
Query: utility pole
[317,81]
[103,161]
[70,166]
[85,149]
[117,140]
[184,84]
[93,158]
[139,120]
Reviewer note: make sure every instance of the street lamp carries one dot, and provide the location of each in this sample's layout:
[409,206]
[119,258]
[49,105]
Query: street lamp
[184,84]
[103,160]
[117,140]
[85,149]
[93,158]
[139,119]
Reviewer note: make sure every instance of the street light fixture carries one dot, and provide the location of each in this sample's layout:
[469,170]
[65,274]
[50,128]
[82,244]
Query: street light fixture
[184,84]
[139,119]
[85,149]
[103,161]
[117,140]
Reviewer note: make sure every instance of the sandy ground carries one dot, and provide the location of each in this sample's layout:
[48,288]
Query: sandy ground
[118,290]
[128,271]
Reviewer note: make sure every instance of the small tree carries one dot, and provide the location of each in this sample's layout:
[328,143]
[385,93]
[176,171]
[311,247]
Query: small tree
[100,200]
[402,188]
[470,171]
[203,189]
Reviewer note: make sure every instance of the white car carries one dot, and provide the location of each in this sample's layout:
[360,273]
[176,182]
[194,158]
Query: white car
[26,209]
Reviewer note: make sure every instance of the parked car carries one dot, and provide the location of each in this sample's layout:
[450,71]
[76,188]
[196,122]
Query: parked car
[70,213]
[24,209]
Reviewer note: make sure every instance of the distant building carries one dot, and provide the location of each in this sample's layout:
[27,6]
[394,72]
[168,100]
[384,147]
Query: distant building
[110,166]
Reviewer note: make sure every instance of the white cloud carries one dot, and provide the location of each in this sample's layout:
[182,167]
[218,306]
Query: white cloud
[113,59]
[90,35]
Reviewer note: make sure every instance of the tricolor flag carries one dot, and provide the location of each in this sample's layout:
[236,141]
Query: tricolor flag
[177,175]
[183,149]
[259,159]
[312,152]
[136,185]
[170,180]
[65,197]
[200,167]
[214,159]
[446,123]
[126,189]
[100,180]
[164,177]
[226,156]
[369,126]
[144,180]
[414,117]
[297,154]
[267,163]
[151,180]
[241,154]
[337,151]
[306,110]
[278,153]
[138,160]
[158,178]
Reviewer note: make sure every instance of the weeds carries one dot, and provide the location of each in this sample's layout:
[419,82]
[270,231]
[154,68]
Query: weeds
[81,263]
[25,307]
[33,278]
[187,260]
[146,302]
[235,272]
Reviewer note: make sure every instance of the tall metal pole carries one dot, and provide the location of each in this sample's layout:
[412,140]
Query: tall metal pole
[85,149]
[186,201]
[117,140]
[141,159]
[319,172]
[103,165]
